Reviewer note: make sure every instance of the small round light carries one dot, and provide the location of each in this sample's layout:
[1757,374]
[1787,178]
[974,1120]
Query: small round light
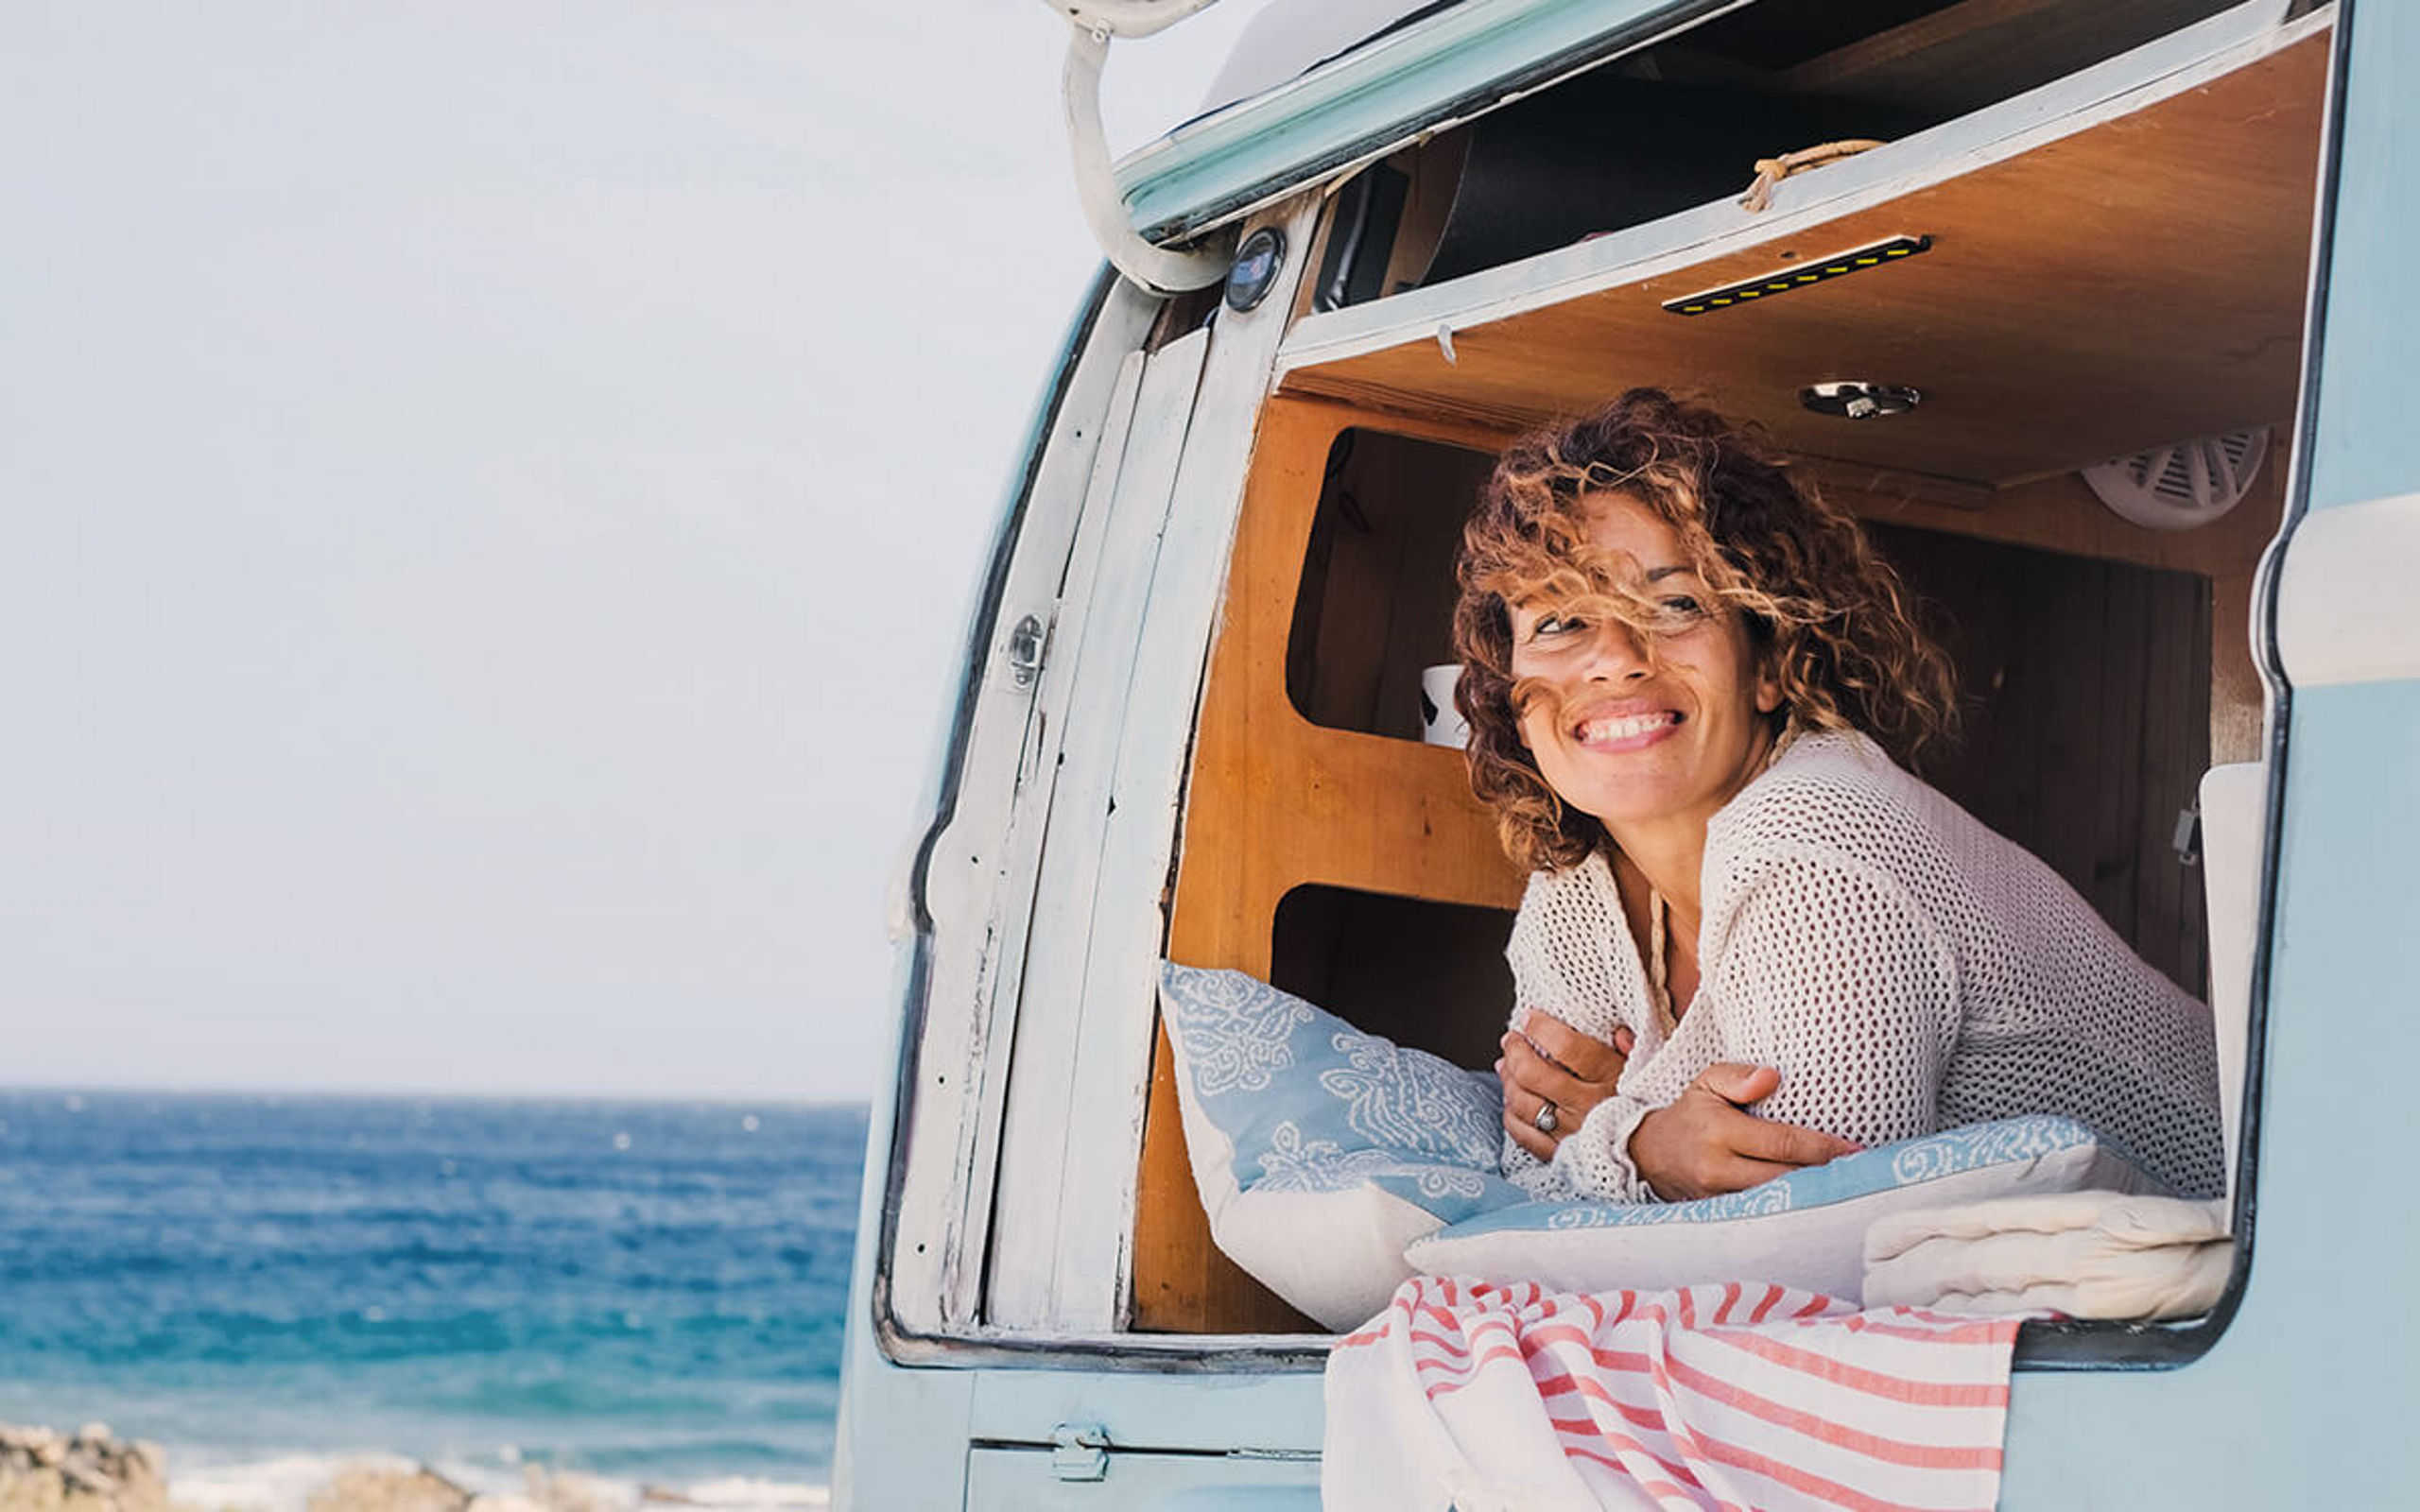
[1858,401]
[1254,272]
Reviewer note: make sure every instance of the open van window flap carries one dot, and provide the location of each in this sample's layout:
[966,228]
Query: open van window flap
[1437,70]
[1942,153]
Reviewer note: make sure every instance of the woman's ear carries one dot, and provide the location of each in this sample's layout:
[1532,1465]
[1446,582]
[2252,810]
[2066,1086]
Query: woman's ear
[1768,683]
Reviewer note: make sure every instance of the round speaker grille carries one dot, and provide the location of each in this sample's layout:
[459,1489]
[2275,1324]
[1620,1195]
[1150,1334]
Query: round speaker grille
[2178,486]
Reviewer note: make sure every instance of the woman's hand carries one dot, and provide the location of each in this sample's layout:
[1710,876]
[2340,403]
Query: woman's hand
[1547,1061]
[1707,1143]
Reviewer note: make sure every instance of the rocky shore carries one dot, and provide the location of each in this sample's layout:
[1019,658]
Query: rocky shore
[93,1470]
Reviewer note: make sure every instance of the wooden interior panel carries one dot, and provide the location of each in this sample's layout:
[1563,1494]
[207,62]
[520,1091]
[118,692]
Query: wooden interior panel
[2062,514]
[1275,802]
[1375,603]
[2139,282]
[2084,686]
[1436,172]
[1383,963]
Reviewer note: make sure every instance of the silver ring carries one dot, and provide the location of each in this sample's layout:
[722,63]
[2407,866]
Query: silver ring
[1545,1121]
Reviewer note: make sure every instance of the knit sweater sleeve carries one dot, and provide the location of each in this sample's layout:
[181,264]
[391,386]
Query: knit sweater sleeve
[1564,963]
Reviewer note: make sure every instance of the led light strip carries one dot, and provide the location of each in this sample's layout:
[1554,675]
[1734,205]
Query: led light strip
[1802,276]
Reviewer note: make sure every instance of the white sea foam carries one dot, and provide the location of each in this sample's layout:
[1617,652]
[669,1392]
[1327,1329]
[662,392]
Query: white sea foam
[281,1484]
[284,1482]
[747,1494]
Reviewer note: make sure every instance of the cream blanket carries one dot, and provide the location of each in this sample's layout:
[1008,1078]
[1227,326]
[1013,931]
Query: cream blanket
[2087,1254]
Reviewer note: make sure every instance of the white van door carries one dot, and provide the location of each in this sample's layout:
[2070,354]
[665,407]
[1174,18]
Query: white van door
[1144,606]
[1019,1138]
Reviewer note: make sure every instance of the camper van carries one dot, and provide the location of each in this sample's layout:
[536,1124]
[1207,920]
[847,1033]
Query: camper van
[2100,313]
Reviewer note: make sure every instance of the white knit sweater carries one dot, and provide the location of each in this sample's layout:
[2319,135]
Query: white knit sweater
[1903,967]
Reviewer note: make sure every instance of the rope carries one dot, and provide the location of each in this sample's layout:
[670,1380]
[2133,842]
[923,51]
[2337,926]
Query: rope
[1771,171]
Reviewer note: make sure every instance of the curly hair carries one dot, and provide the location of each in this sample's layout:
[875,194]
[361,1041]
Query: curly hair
[1827,619]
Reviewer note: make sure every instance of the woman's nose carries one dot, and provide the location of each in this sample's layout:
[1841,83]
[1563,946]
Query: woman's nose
[1619,655]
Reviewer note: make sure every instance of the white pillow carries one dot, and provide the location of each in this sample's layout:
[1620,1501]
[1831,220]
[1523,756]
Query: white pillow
[1320,1151]
[1805,1230]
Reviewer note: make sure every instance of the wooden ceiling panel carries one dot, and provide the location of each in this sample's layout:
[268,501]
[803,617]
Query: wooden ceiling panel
[2138,282]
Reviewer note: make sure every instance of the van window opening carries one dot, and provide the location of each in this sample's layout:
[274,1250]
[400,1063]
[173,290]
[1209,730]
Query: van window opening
[2105,666]
[2042,357]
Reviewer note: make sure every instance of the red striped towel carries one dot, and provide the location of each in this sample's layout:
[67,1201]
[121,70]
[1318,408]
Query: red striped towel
[1482,1398]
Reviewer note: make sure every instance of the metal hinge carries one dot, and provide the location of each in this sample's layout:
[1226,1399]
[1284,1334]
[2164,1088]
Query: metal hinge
[1028,642]
[1079,1451]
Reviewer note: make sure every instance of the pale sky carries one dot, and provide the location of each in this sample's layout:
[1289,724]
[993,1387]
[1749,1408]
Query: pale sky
[493,493]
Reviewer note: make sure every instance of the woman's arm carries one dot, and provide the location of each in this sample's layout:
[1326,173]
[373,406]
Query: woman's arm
[1706,1142]
[1829,1001]
[1560,1068]
[1703,1145]
[1561,975]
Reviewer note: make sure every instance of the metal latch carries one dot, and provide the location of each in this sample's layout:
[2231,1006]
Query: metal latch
[2188,834]
[1028,643]
[1079,1451]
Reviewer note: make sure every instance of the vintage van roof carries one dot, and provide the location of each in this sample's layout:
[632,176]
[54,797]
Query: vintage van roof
[1315,88]
[1290,37]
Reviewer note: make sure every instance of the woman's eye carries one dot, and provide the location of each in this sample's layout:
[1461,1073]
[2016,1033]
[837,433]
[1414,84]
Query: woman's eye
[1684,604]
[1552,625]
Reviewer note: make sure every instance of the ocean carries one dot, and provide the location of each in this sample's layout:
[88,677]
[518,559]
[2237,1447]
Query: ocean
[649,1294]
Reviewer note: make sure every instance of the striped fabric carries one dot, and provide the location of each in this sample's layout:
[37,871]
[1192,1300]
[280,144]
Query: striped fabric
[1483,1397]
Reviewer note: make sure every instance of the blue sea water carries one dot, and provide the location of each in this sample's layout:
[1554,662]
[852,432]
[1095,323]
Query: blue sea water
[642,1292]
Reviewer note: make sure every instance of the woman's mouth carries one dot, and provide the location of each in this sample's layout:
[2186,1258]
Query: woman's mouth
[1628,731]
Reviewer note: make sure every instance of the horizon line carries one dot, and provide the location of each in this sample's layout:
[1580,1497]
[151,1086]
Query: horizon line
[411,1094]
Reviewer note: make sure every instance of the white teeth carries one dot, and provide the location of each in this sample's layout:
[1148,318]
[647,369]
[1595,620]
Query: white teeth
[1623,729]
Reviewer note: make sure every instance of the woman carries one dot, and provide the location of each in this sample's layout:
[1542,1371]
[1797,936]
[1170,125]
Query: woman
[1682,671]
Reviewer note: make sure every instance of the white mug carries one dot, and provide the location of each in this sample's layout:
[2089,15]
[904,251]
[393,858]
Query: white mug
[1440,722]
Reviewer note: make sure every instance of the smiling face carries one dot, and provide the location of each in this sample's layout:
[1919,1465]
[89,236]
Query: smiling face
[1806,622]
[1645,726]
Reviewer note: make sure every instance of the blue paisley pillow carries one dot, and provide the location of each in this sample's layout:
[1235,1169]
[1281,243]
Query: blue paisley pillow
[1324,1154]
[1322,1151]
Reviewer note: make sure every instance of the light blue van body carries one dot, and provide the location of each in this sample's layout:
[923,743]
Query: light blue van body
[2300,1389]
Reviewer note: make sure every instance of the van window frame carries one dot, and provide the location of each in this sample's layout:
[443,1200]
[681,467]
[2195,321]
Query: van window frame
[2110,1344]
[2088,1344]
